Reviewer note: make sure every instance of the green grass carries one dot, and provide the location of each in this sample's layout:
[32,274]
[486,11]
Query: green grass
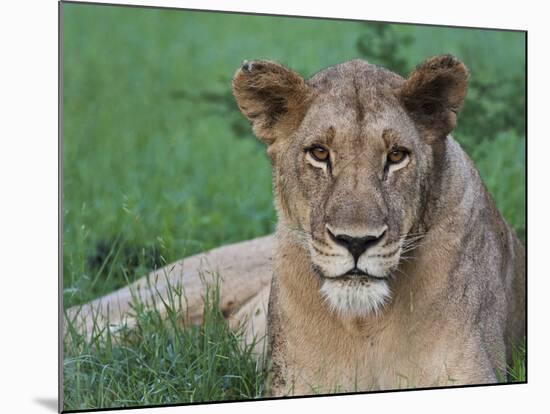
[517,371]
[158,361]
[158,164]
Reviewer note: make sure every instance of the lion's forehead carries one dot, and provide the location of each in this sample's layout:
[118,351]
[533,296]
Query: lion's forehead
[358,101]
[332,124]
[351,103]
[369,75]
[355,81]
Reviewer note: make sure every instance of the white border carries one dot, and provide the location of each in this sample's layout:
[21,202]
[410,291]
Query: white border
[28,171]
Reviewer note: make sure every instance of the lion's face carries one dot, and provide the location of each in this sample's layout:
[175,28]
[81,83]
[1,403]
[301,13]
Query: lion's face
[354,195]
[352,153]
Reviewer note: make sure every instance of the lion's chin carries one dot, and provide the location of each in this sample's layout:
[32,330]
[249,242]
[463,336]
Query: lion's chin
[355,297]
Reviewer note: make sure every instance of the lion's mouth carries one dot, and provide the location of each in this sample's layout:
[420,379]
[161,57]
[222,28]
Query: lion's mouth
[351,275]
[357,273]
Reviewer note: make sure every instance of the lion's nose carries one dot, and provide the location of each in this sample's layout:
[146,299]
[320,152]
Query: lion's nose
[356,245]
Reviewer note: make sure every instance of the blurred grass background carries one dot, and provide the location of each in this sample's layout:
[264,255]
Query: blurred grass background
[158,164]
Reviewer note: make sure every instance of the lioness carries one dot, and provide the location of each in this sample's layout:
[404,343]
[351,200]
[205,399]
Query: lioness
[393,267]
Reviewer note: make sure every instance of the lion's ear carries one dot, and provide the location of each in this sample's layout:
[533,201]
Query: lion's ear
[272,97]
[434,93]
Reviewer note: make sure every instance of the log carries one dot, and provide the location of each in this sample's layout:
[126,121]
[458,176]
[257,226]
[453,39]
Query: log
[244,272]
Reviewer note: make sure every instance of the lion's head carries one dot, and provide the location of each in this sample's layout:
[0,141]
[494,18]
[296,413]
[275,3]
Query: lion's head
[355,152]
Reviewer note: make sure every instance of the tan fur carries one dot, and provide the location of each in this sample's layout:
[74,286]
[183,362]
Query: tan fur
[454,269]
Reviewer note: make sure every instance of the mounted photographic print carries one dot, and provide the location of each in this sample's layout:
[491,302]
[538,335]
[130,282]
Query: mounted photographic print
[261,206]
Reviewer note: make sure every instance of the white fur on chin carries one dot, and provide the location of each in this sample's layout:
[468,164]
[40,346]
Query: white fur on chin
[355,298]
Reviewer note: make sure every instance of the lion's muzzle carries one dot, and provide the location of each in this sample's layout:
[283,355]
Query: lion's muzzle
[356,245]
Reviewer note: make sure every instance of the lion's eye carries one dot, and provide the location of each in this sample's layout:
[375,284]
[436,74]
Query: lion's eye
[396,156]
[319,154]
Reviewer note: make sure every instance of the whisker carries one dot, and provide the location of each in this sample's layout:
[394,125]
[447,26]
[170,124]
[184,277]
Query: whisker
[320,241]
[411,246]
[399,270]
[412,239]
[407,259]
[323,252]
[419,233]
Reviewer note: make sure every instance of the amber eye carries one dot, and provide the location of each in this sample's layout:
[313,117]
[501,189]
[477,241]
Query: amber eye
[319,154]
[396,156]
